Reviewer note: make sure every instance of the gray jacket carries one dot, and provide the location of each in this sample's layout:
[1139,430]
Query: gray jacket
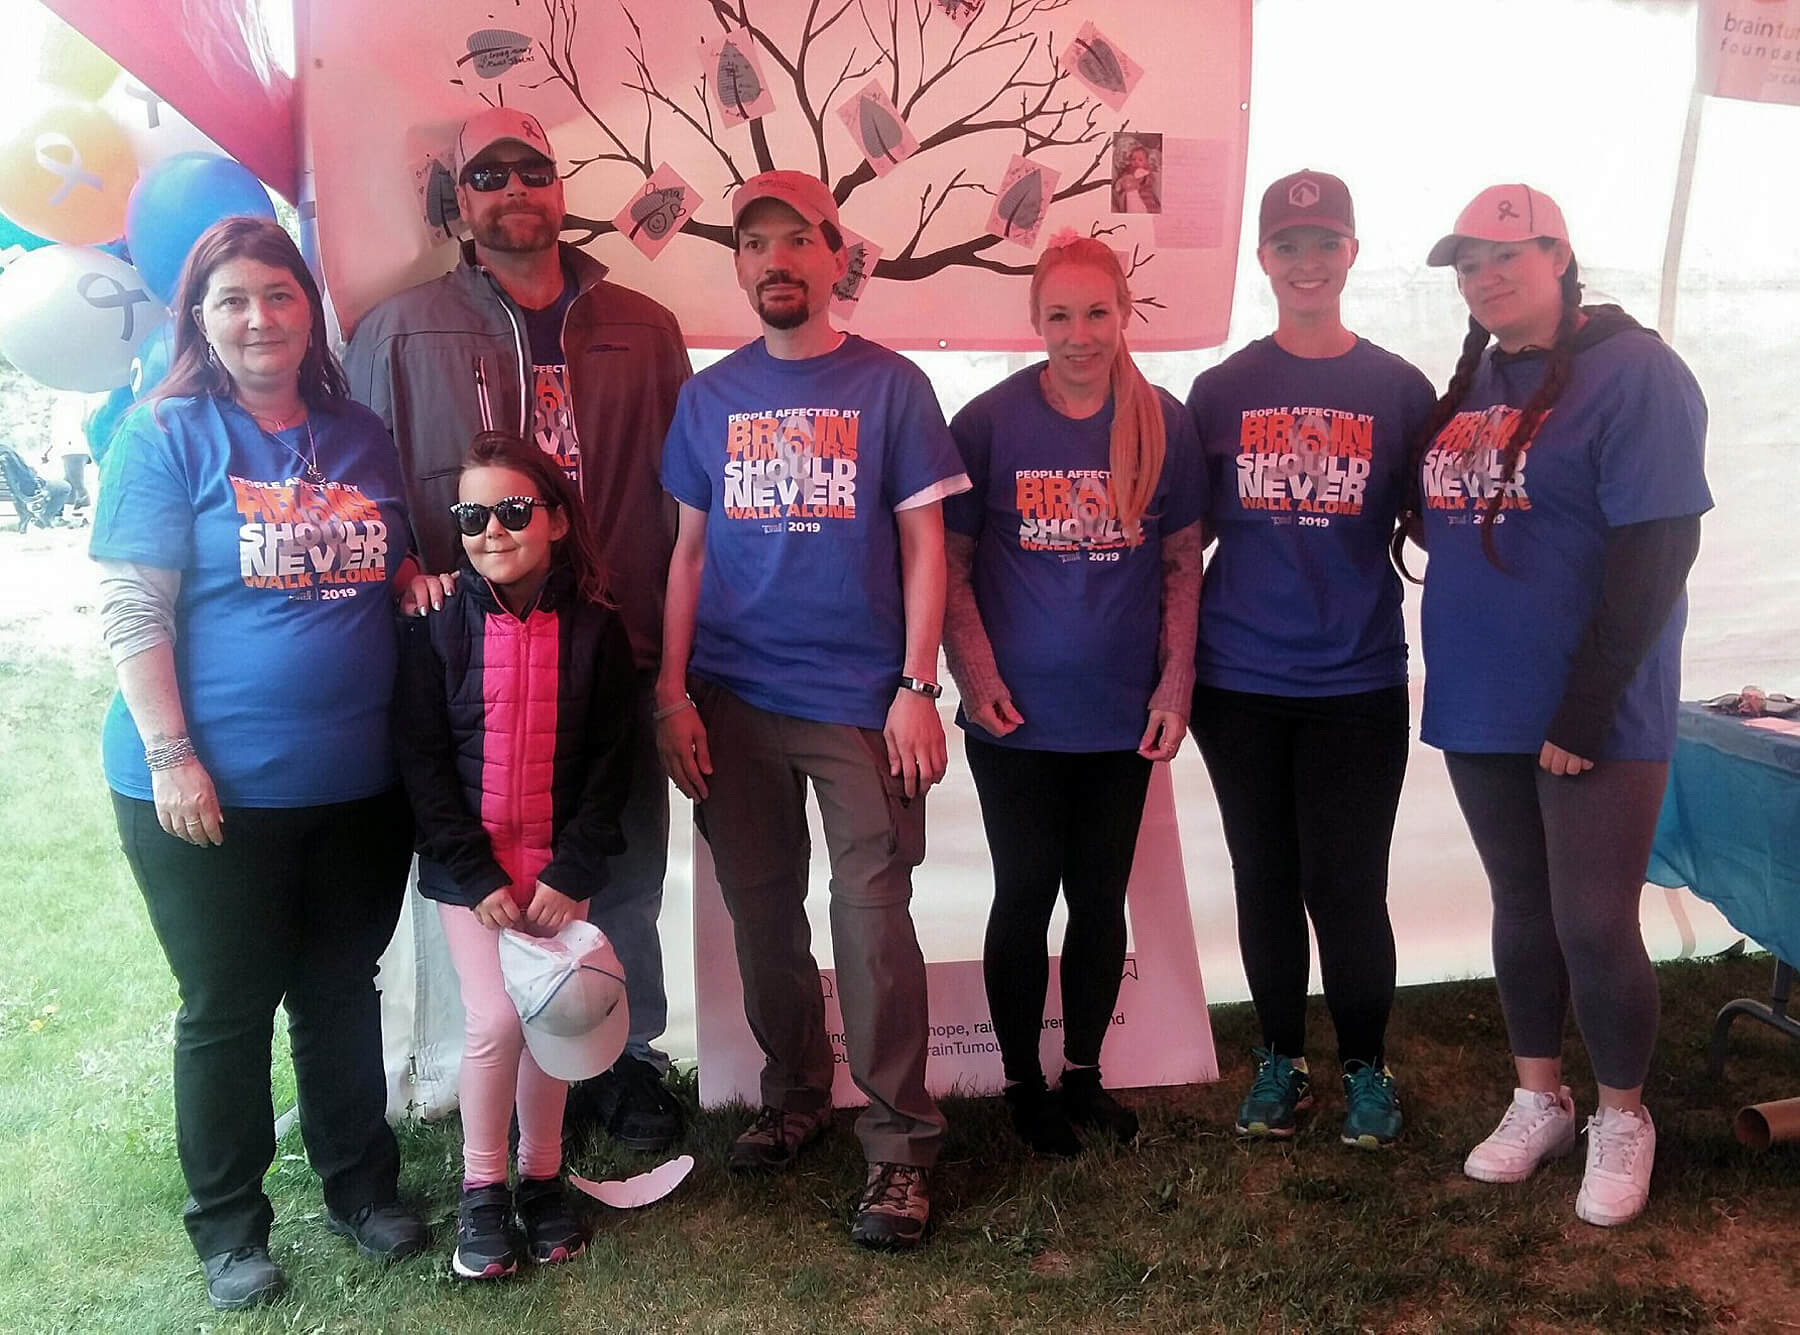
[412,359]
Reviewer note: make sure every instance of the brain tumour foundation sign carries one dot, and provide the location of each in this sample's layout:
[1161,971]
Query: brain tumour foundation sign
[957,138]
[1750,49]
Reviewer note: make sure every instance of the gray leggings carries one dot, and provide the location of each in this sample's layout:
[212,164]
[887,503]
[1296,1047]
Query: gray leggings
[1565,860]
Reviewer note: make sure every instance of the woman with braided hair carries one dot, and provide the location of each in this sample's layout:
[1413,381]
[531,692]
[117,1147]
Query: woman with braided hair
[1560,494]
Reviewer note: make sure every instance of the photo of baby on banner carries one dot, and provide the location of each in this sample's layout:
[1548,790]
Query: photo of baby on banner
[1137,173]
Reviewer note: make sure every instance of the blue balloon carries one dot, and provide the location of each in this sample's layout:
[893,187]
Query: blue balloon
[104,419]
[178,199]
[152,361]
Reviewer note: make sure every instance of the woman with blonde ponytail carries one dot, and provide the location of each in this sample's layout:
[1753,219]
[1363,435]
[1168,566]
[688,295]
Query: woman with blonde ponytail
[1559,486]
[1301,706]
[1074,580]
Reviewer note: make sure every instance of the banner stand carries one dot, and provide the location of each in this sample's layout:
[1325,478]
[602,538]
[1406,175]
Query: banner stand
[1160,1034]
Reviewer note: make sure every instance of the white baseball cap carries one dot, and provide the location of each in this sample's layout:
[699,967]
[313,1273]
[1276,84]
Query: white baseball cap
[1502,213]
[498,125]
[570,993]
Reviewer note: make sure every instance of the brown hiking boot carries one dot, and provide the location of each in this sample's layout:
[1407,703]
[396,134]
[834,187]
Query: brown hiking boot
[895,1208]
[775,1140]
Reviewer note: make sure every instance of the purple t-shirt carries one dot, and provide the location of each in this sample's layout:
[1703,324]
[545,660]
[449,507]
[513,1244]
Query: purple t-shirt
[1072,610]
[1624,444]
[800,467]
[1306,465]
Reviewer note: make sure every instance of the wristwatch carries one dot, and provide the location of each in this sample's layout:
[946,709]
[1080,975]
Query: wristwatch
[929,689]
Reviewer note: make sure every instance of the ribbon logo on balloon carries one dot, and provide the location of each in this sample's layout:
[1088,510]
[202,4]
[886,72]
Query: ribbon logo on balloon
[70,170]
[120,298]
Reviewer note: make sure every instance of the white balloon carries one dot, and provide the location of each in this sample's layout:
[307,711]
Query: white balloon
[153,128]
[73,317]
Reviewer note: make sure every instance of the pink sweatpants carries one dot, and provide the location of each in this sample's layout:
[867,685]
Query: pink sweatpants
[496,1065]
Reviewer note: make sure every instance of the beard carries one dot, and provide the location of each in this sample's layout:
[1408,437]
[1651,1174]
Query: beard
[790,315]
[517,231]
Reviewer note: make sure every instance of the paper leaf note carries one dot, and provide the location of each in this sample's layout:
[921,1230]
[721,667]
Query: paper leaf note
[644,1189]
[436,193]
[740,89]
[493,51]
[961,12]
[878,129]
[848,290]
[1022,201]
[657,211]
[1099,63]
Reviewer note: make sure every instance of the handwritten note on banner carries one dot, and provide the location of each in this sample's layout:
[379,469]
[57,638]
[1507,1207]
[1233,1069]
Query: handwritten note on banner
[955,144]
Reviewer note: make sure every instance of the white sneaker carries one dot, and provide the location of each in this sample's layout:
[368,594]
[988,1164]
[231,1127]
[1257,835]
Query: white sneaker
[1536,1127]
[1621,1149]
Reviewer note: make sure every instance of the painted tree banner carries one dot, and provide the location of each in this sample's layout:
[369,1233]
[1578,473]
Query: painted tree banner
[958,136]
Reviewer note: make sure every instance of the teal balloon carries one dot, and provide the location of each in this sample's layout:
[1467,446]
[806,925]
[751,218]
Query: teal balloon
[11,234]
[103,419]
[177,200]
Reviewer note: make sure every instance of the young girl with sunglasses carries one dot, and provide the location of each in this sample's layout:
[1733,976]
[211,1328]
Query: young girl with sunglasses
[513,722]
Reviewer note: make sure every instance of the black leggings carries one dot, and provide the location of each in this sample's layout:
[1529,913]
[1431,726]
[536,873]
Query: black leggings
[1307,788]
[1565,859]
[294,909]
[1056,820]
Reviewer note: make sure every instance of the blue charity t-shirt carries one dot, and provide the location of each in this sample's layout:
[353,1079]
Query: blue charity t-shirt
[800,467]
[1624,444]
[285,640]
[1306,466]
[1072,609]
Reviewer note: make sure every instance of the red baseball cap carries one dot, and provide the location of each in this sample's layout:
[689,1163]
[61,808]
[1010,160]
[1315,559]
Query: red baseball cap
[1306,199]
[1502,213]
[802,192]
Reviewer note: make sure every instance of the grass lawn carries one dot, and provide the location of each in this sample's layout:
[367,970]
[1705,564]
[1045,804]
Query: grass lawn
[1186,1231]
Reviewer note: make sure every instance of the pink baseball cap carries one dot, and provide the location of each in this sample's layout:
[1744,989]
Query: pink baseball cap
[1503,213]
[1306,199]
[802,192]
[498,125]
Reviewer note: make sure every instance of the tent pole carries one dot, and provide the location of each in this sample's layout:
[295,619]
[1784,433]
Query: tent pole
[1678,211]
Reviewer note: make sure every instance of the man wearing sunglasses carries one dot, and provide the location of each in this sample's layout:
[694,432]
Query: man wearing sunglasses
[526,334]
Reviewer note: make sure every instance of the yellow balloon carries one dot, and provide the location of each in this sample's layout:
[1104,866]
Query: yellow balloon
[67,61]
[68,174]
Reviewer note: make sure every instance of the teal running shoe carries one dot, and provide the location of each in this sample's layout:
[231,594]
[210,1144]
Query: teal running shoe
[1281,1091]
[1372,1119]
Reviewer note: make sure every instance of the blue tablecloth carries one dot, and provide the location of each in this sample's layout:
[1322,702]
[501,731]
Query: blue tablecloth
[1730,825]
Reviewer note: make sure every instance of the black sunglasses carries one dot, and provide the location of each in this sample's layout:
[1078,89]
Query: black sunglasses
[493,176]
[513,512]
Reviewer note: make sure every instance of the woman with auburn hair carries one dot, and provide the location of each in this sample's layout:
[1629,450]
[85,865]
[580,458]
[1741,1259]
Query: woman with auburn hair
[1301,704]
[1074,570]
[1560,489]
[251,537]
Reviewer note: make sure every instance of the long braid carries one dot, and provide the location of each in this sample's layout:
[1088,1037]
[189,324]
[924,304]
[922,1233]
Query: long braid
[1474,344]
[1557,368]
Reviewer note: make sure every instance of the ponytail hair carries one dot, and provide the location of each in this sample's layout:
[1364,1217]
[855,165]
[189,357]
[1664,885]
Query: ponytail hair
[1139,435]
[1557,367]
[577,548]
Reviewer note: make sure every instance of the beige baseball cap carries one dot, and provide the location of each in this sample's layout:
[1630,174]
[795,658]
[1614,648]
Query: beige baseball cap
[498,125]
[1502,213]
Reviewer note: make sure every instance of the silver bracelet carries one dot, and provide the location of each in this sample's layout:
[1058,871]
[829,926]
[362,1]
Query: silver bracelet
[176,751]
[669,711]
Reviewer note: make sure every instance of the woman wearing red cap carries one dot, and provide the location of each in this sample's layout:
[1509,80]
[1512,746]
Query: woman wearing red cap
[1560,489]
[1300,706]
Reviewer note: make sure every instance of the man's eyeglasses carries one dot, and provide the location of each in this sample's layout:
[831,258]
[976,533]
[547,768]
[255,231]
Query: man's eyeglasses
[513,512]
[493,176]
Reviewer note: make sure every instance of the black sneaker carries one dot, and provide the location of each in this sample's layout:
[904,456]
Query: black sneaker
[774,1140]
[895,1209]
[547,1218]
[242,1277]
[1039,1119]
[387,1231]
[1087,1103]
[484,1247]
[631,1103]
